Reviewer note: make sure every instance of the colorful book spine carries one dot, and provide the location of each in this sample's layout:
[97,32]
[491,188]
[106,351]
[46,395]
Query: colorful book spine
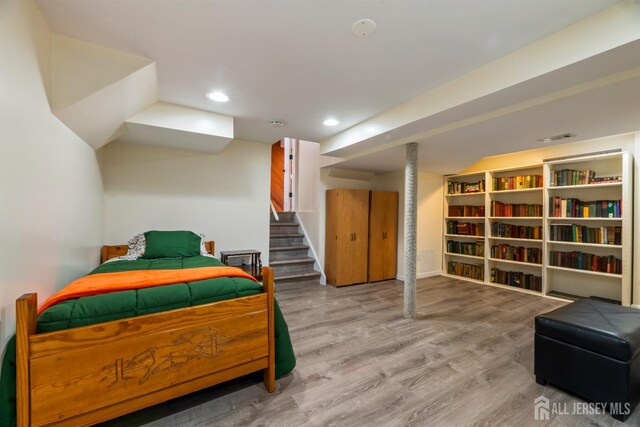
[576,208]
[519,182]
[582,234]
[500,209]
[465,187]
[466,248]
[514,231]
[465,228]
[586,261]
[517,253]
[516,279]
[467,210]
[472,271]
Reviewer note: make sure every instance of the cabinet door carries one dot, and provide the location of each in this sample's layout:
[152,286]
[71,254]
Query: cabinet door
[351,226]
[383,221]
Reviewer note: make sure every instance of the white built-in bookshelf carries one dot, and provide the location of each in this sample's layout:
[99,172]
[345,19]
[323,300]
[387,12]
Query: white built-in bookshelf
[556,229]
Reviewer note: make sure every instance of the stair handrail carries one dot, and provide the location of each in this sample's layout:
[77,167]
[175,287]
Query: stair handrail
[273,210]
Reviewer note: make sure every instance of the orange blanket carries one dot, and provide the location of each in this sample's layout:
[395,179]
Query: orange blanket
[103,283]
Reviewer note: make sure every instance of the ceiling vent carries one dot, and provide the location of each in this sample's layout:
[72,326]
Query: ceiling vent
[276,123]
[557,137]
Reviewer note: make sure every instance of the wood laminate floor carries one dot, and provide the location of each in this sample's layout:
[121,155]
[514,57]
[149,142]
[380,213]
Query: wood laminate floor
[467,360]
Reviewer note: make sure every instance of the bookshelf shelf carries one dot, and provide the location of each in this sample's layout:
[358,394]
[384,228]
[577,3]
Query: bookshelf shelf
[572,219]
[582,244]
[468,279]
[460,218]
[589,272]
[521,190]
[515,239]
[466,194]
[508,261]
[557,282]
[573,187]
[515,217]
[466,236]
[463,255]
[515,288]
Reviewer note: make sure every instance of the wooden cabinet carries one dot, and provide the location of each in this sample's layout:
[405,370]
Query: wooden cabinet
[383,229]
[347,245]
[346,242]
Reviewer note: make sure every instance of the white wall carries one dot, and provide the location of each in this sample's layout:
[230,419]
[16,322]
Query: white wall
[224,196]
[51,211]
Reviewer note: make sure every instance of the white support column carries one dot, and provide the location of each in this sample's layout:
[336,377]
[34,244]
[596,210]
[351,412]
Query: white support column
[410,229]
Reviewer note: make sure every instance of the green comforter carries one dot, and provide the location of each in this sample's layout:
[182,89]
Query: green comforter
[120,305]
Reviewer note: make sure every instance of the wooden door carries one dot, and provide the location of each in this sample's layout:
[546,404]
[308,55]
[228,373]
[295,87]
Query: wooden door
[346,240]
[383,226]
[277,176]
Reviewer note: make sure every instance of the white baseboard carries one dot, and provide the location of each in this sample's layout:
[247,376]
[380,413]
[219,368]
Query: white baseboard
[423,275]
[635,306]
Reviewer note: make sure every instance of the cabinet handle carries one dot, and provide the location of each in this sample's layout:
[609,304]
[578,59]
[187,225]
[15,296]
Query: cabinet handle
[355,236]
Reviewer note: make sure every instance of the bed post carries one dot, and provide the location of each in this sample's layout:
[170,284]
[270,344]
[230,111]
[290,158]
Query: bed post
[26,315]
[270,372]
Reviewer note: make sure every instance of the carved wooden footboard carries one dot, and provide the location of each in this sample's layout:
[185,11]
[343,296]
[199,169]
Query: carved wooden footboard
[94,373]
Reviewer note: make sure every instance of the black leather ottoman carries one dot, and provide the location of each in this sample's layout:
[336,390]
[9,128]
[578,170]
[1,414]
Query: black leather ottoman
[590,348]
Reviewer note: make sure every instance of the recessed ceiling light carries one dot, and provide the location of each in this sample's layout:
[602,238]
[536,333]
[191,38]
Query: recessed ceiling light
[331,122]
[218,97]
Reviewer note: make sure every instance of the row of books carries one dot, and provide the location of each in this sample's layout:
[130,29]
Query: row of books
[465,228]
[510,209]
[466,248]
[465,187]
[517,279]
[472,271]
[520,182]
[565,177]
[517,253]
[501,229]
[582,234]
[586,261]
[576,208]
[467,210]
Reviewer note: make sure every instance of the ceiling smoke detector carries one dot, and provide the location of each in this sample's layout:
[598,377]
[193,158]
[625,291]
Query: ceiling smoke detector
[363,27]
[276,123]
[557,137]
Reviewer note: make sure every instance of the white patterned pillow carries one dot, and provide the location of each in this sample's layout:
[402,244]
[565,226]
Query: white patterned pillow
[137,245]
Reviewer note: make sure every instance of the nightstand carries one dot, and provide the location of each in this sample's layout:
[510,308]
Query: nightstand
[254,268]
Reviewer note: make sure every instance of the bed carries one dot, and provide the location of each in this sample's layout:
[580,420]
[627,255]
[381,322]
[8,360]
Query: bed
[88,374]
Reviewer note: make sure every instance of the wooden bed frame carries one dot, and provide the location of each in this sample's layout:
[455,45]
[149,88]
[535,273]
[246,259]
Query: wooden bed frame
[94,373]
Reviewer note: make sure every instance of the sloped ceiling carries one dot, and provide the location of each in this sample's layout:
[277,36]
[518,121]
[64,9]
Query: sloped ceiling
[102,94]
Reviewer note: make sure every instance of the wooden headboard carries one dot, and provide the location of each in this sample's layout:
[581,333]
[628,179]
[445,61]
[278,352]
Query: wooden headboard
[109,252]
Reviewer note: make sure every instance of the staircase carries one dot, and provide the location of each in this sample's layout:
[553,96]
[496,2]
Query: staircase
[288,254]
